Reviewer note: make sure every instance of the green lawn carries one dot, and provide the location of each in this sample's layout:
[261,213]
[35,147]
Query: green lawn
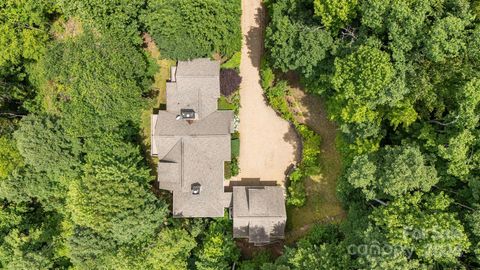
[224,104]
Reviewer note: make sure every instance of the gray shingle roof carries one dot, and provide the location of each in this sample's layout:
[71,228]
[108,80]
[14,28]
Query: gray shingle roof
[217,123]
[196,85]
[194,152]
[259,213]
[200,67]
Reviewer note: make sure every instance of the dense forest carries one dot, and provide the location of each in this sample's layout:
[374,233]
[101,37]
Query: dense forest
[401,80]
[76,189]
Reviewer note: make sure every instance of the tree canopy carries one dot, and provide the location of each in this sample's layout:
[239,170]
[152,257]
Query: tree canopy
[186,29]
[392,172]
[112,197]
[400,79]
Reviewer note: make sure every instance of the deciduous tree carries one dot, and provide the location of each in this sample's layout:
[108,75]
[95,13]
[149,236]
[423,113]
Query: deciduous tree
[424,225]
[186,29]
[393,171]
[335,14]
[112,198]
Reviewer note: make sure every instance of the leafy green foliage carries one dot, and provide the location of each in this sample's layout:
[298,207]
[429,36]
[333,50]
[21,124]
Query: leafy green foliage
[219,250]
[295,46]
[335,14]
[112,198]
[362,78]
[473,220]
[24,27]
[233,62]
[297,195]
[27,183]
[114,75]
[457,152]
[119,16]
[74,194]
[310,149]
[422,223]
[89,250]
[172,250]
[385,256]
[186,29]
[266,75]
[446,39]
[10,158]
[28,238]
[276,96]
[309,165]
[24,31]
[44,146]
[393,171]
[318,250]
[400,78]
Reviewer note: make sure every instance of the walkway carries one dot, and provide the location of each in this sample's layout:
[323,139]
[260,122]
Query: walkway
[268,143]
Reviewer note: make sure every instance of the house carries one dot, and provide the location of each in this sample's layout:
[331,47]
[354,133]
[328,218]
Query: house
[259,214]
[191,139]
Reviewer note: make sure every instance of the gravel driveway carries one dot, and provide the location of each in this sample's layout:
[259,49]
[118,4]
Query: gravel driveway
[268,143]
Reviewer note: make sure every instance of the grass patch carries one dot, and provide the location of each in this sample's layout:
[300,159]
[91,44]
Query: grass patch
[158,101]
[224,104]
[231,168]
[312,189]
[234,61]
[235,148]
[322,205]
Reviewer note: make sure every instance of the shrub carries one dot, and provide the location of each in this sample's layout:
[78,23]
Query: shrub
[309,166]
[231,168]
[235,169]
[235,100]
[296,175]
[229,81]
[276,98]
[266,75]
[296,194]
[233,62]
[311,150]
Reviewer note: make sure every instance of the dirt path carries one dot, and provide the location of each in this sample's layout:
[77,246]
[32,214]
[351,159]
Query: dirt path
[268,143]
